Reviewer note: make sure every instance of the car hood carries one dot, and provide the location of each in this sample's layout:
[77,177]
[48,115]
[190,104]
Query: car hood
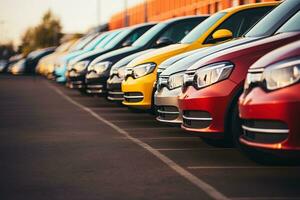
[72,55]
[169,62]
[252,48]
[280,54]
[89,54]
[159,54]
[123,62]
[116,53]
[184,63]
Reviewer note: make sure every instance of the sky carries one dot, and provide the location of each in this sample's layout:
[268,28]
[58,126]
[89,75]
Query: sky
[75,15]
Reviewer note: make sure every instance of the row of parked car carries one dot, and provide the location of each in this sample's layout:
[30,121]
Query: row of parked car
[232,77]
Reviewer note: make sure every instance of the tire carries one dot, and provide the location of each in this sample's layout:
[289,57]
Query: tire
[235,128]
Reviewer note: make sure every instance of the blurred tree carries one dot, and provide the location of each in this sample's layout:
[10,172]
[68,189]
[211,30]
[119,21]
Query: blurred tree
[47,33]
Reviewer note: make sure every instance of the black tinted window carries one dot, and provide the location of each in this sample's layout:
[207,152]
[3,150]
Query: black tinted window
[241,22]
[269,24]
[136,34]
[179,30]
[291,25]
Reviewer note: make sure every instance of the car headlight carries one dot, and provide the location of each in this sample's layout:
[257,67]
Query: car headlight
[175,81]
[121,72]
[113,71]
[253,76]
[80,66]
[143,70]
[211,74]
[282,75]
[100,67]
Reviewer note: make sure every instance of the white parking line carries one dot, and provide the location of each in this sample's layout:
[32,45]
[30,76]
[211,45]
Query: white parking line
[201,184]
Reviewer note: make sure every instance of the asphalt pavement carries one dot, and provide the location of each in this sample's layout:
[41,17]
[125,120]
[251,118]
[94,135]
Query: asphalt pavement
[57,144]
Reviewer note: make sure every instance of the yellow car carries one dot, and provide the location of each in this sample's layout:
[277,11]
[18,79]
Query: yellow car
[139,84]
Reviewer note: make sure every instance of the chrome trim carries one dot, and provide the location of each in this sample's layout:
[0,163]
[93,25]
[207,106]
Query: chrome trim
[197,119]
[94,86]
[167,112]
[94,91]
[76,82]
[261,130]
[133,97]
[72,86]
[260,70]
[115,99]
[175,121]
[110,92]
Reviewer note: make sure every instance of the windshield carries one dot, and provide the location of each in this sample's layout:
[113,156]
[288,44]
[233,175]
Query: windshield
[291,25]
[265,27]
[117,39]
[106,40]
[95,42]
[149,35]
[82,42]
[202,28]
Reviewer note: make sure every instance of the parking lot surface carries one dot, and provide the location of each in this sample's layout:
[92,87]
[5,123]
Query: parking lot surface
[58,144]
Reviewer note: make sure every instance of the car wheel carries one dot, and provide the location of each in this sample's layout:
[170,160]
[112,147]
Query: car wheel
[235,128]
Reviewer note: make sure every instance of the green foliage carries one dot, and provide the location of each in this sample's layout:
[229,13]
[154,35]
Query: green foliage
[47,33]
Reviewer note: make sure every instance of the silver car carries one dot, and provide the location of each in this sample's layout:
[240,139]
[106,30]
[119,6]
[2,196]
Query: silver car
[171,79]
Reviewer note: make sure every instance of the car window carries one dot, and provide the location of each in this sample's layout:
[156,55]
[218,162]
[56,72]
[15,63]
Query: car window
[202,28]
[149,35]
[270,23]
[293,24]
[240,22]
[179,30]
[86,42]
[96,41]
[116,40]
[136,34]
[107,39]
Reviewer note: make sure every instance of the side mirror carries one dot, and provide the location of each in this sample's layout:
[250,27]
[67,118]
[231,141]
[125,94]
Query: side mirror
[222,35]
[163,41]
[127,43]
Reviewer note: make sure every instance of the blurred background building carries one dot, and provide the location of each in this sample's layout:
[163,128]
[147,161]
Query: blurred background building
[157,10]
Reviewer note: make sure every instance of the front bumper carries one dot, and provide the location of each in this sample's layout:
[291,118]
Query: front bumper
[60,74]
[270,119]
[138,93]
[76,81]
[114,89]
[167,105]
[204,111]
[95,84]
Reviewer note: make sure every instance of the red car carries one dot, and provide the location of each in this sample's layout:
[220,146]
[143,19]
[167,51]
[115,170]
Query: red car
[212,86]
[270,104]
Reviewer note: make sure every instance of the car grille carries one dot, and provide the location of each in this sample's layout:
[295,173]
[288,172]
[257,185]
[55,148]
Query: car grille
[115,95]
[264,131]
[133,97]
[196,119]
[166,113]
